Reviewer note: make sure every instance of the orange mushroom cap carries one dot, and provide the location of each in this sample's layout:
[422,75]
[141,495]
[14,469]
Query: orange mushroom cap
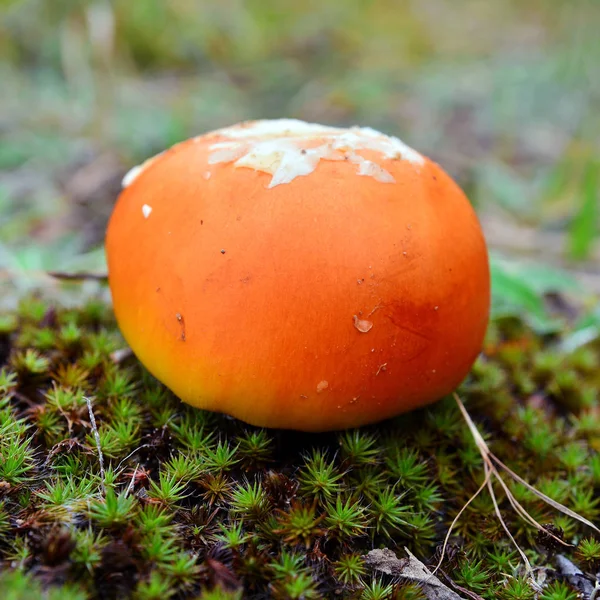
[299,276]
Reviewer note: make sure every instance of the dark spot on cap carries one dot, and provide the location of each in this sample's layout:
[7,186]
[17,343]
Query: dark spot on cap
[179,317]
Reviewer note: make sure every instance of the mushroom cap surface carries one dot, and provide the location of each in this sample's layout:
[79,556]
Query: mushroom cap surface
[299,276]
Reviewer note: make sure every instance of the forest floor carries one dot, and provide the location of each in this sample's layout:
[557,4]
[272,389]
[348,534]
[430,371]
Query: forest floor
[169,501]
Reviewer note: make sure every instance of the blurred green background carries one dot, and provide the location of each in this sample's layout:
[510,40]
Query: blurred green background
[505,94]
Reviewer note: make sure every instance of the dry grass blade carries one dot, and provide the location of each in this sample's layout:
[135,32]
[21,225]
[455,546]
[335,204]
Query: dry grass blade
[520,510]
[457,517]
[490,462]
[557,505]
[97,439]
[132,481]
[528,567]
[488,457]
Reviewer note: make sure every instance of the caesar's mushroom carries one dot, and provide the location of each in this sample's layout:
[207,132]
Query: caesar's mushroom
[299,276]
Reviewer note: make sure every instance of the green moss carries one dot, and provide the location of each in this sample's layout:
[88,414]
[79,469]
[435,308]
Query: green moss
[191,504]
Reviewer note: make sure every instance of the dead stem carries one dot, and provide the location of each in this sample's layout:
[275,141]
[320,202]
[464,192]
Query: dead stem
[132,481]
[121,355]
[97,438]
[557,505]
[455,521]
[103,277]
[491,465]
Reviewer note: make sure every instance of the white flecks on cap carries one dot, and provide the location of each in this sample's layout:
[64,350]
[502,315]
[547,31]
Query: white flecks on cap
[131,175]
[283,148]
[146,210]
[136,171]
[322,386]
[276,128]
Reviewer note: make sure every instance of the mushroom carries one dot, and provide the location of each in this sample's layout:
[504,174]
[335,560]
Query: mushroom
[299,276]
